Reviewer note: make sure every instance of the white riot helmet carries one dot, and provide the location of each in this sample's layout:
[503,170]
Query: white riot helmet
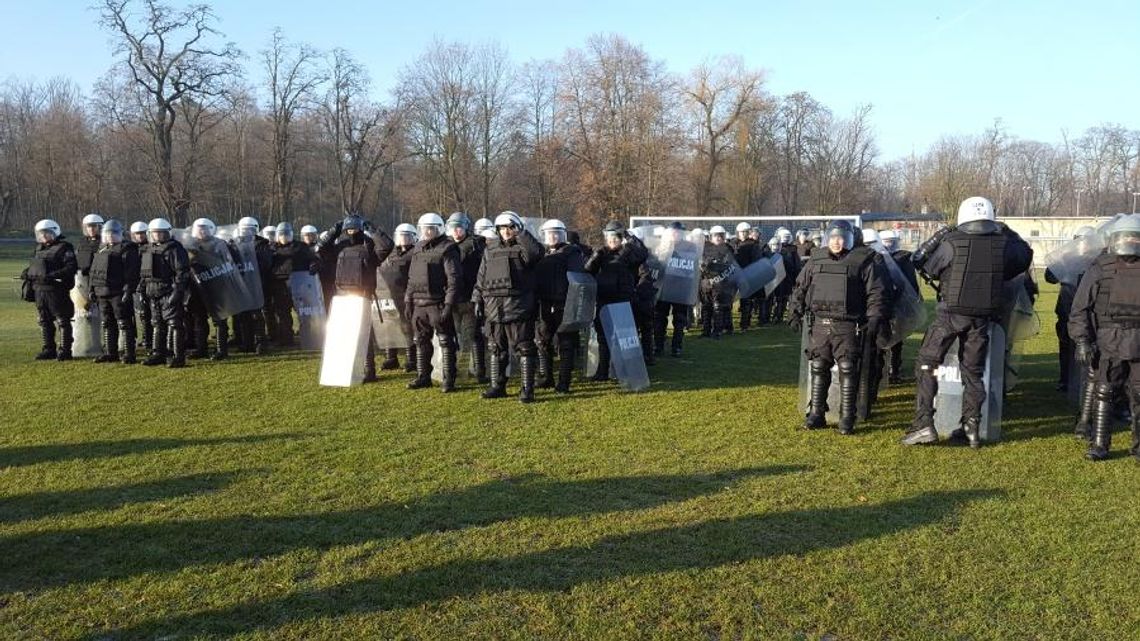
[515,217]
[269,232]
[138,227]
[248,227]
[112,231]
[430,225]
[309,235]
[784,235]
[204,228]
[802,235]
[890,239]
[974,209]
[553,232]
[406,235]
[159,230]
[46,230]
[507,219]
[717,230]
[774,244]
[871,237]
[742,230]
[698,235]
[483,225]
[92,220]
[284,233]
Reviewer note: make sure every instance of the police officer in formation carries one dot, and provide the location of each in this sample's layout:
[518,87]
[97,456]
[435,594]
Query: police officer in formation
[716,291]
[357,253]
[747,251]
[902,258]
[552,287]
[505,296]
[1064,306]
[203,251]
[971,262]
[165,279]
[844,291]
[51,274]
[256,269]
[615,267]
[141,302]
[673,238]
[88,245]
[470,333]
[289,255]
[787,250]
[114,279]
[1104,325]
[435,277]
[394,272]
[804,243]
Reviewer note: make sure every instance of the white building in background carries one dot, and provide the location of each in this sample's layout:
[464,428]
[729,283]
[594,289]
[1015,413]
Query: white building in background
[1046,234]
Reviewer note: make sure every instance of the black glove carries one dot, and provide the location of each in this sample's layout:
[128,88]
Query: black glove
[445,311]
[796,322]
[480,314]
[1085,353]
[127,298]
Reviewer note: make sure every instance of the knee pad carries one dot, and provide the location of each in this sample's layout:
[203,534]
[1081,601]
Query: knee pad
[1103,391]
[819,366]
[848,368]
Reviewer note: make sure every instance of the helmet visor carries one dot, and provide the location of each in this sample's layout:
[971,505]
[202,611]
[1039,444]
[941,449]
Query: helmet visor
[1126,243]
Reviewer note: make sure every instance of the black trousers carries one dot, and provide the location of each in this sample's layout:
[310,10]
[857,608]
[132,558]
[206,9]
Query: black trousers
[53,306]
[834,342]
[1065,349]
[514,336]
[282,301]
[428,320]
[973,336]
[122,313]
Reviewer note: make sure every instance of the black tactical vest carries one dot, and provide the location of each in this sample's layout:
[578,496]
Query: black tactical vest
[505,273]
[85,250]
[426,276]
[155,266]
[838,290]
[48,259]
[394,270]
[972,284]
[286,259]
[1118,291]
[109,268]
[354,270]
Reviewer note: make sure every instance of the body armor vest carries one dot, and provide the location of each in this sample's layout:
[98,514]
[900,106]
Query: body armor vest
[427,279]
[972,284]
[1118,291]
[838,290]
[109,268]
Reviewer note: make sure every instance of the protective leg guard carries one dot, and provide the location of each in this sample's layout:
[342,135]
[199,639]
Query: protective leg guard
[819,375]
[390,359]
[497,382]
[545,375]
[447,361]
[678,339]
[479,357]
[127,337]
[410,358]
[567,349]
[48,351]
[158,351]
[1083,429]
[971,428]
[848,396]
[1101,424]
[526,392]
[65,339]
[222,349]
[370,363]
[423,366]
[178,345]
[110,344]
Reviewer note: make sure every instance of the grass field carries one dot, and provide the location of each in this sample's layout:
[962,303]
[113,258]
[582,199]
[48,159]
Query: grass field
[239,499]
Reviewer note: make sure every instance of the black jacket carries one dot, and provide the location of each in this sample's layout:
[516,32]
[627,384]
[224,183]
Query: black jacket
[115,269]
[616,271]
[435,274]
[294,257]
[505,285]
[550,275]
[53,266]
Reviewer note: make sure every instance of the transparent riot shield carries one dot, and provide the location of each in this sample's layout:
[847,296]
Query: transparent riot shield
[1019,322]
[588,356]
[581,302]
[1071,259]
[948,403]
[534,226]
[781,273]
[626,357]
[680,270]
[309,302]
[755,277]
[249,271]
[832,415]
[908,313]
[346,342]
[87,323]
[217,277]
[384,313]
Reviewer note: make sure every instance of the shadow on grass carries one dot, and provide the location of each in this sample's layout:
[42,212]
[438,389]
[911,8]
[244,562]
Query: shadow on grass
[24,507]
[705,545]
[57,452]
[45,559]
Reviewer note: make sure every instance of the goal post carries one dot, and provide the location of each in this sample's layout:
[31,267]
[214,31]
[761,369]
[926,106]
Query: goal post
[767,224]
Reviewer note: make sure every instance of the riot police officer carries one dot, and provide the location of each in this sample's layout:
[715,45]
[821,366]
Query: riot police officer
[673,239]
[255,259]
[844,292]
[87,246]
[435,277]
[204,249]
[505,290]
[1104,325]
[787,250]
[469,328]
[165,276]
[51,273]
[1064,306]
[804,243]
[747,251]
[552,286]
[357,255]
[141,302]
[614,266]
[971,262]
[114,279]
[890,240]
[394,271]
[716,289]
[309,235]
[289,255]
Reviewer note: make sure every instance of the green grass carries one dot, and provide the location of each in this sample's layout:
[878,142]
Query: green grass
[241,499]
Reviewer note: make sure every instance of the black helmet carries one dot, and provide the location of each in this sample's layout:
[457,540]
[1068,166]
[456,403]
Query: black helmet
[459,219]
[842,228]
[679,226]
[352,221]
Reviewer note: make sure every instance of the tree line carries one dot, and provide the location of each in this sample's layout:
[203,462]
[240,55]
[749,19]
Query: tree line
[184,124]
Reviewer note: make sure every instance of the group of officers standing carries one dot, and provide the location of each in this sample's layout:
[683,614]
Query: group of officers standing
[495,290]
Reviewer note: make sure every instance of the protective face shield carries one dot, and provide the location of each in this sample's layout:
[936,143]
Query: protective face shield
[697,235]
[138,232]
[840,236]
[785,236]
[405,235]
[889,239]
[742,230]
[975,209]
[204,228]
[484,225]
[92,223]
[612,239]
[159,230]
[47,230]
[309,235]
[352,225]
[774,244]
[430,226]
[112,232]
[754,234]
[514,217]
[507,225]
[553,232]
[718,234]
[284,233]
[1124,240]
[458,225]
[802,236]
[269,232]
[248,227]
[870,237]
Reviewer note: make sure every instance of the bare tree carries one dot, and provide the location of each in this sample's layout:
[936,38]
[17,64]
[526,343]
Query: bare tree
[292,78]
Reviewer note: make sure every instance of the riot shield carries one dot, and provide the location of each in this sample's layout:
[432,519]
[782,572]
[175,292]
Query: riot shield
[626,357]
[250,272]
[387,330]
[1070,260]
[680,270]
[908,313]
[581,302]
[753,278]
[781,273]
[948,403]
[309,302]
[534,226]
[346,342]
[832,415]
[217,277]
[87,323]
[588,356]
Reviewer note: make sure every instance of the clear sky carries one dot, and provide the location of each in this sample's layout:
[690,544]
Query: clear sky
[928,67]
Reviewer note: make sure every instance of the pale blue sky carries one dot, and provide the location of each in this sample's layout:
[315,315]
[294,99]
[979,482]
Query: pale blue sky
[928,67]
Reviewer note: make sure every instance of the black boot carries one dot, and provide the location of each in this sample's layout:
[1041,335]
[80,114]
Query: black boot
[498,383]
[261,342]
[390,359]
[526,392]
[479,358]
[447,361]
[423,366]
[1135,449]
[745,314]
[48,352]
[678,339]
[646,339]
[706,321]
[848,396]
[819,380]
[127,337]
[110,344]
[971,427]
[178,348]
[545,368]
[1101,424]
[726,320]
[65,339]
[158,350]
[222,352]
[410,358]
[148,337]
[603,373]
[567,349]
[716,322]
[1083,428]
[370,362]
[201,339]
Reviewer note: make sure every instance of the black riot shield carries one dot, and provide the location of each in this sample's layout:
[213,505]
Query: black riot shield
[948,403]
[581,302]
[217,278]
[626,357]
[309,302]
